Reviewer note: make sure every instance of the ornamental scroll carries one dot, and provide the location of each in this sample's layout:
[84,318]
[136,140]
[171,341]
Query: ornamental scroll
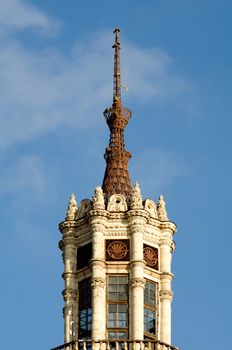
[150,255]
[117,250]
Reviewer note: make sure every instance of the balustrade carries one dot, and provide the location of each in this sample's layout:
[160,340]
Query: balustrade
[116,345]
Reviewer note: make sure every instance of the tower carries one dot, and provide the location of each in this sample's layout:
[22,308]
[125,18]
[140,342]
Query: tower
[117,251]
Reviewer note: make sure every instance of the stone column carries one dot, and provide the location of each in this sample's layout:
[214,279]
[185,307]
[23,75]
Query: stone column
[166,247]
[70,292]
[136,277]
[98,279]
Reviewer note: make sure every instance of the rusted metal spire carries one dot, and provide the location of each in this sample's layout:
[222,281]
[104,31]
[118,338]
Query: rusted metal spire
[116,179]
[117,76]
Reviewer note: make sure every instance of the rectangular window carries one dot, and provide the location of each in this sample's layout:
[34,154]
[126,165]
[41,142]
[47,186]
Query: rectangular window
[117,307]
[150,309]
[85,309]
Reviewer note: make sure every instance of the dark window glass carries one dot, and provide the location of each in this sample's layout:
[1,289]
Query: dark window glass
[84,255]
[85,309]
[150,309]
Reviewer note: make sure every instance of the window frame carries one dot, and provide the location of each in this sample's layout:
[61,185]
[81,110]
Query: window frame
[86,306]
[117,302]
[153,308]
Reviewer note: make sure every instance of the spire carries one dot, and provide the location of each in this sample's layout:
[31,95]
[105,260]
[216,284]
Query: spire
[116,179]
[117,76]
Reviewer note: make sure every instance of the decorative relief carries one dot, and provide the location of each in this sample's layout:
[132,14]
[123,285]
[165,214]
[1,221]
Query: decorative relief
[117,250]
[150,206]
[136,198]
[137,282]
[162,213]
[69,294]
[166,295]
[116,234]
[151,239]
[97,282]
[137,212]
[84,207]
[150,255]
[117,203]
[98,199]
[72,208]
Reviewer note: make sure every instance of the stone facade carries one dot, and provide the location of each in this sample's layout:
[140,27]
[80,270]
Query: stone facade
[133,239]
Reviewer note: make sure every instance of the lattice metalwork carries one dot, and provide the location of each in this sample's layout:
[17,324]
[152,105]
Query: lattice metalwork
[116,179]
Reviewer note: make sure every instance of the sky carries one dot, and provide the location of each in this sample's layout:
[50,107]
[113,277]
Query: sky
[56,65]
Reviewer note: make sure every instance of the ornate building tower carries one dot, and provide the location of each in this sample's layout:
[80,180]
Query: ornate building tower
[117,251]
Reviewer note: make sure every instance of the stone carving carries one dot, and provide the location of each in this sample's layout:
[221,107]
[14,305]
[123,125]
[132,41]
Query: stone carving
[150,206]
[150,255]
[98,199]
[117,250]
[117,203]
[136,198]
[137,282]
[162,213]
[97,282]
[69,294]
[72,208]
[166,295]
[84,207]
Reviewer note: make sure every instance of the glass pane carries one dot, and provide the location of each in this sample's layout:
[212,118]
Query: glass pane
[112,280]
[122,296]
[112,296]
[112,307]
[112,287]
[122,307]
[122,288]
[122,316]
[122,279]
[122,324]
[111,324]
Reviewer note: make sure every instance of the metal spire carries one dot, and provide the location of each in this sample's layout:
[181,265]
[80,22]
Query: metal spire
[116,179]
[117,76]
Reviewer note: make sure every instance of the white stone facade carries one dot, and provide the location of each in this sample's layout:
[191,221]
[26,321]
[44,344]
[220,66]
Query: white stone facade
[143,224]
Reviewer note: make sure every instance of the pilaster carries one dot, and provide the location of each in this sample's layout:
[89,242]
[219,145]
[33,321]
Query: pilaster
[70,293]
[165,294]
[137,221]
[98,281]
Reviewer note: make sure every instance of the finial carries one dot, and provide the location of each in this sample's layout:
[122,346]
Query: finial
[136,198]
[117,76]
[98,199]
[72,208]
[161,209]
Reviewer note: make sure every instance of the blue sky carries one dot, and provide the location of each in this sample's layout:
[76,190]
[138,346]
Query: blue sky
[55,81]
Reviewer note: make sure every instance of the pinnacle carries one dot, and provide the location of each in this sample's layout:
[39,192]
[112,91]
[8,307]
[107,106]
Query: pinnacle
[72,208]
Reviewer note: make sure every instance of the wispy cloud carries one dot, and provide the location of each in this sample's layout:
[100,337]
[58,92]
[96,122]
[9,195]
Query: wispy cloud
[157,169]
[25,175]
[150,76]
[18,15]
[42,89]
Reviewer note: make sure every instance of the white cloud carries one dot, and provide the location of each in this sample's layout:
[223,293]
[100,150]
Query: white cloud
[44,89]
[19,15]
[149,74]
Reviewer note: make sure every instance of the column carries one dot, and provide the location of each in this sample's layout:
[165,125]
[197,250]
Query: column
[165,293]
[98,279]
[70,294]
[136,278]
